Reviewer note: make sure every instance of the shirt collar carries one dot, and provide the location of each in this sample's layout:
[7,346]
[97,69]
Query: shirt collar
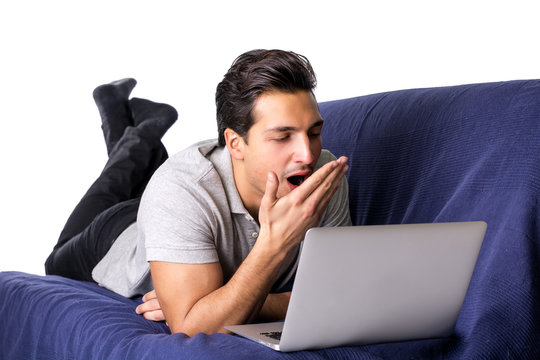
[221,159]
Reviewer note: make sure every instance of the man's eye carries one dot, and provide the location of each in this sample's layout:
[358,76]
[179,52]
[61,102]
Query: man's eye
[281,139]
[314,135]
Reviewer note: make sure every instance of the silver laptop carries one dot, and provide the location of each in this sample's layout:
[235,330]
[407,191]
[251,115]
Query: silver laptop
[371,284]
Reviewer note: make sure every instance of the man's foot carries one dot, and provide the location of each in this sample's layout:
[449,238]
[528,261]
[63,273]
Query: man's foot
[112,102]
[154,119]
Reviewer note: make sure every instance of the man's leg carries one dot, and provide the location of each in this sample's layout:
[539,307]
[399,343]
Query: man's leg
[111,203]
[77,256]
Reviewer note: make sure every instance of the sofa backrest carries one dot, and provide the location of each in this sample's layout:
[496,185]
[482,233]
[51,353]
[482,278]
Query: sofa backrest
[469,152]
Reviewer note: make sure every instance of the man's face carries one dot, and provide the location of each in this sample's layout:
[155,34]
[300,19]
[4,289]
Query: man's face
[285,138]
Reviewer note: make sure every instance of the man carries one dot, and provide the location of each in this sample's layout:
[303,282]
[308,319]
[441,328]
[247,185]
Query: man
[221,222]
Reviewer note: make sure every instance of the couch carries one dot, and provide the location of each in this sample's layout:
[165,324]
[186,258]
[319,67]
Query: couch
[456,153]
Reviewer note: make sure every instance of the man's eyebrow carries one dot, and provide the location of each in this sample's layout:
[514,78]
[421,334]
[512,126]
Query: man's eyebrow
[317,124]
[292,128]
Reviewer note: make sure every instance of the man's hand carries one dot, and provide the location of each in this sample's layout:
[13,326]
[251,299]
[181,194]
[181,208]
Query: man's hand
[287,219]
[150,308]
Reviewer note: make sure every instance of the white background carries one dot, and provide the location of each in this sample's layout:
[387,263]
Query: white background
[53,53]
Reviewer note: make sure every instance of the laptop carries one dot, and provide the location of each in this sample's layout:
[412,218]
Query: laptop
[360,285]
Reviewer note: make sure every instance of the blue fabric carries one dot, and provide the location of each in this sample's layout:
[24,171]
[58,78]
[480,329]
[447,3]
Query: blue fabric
[459,153]
[51,317]
[468,152]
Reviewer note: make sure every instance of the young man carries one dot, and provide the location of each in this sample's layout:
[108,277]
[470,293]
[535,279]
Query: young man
[221,222]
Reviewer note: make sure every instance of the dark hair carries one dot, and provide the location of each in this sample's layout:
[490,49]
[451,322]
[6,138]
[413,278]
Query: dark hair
[252,74]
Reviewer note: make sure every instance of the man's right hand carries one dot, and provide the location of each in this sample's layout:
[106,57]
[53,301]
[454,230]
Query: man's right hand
[285,220]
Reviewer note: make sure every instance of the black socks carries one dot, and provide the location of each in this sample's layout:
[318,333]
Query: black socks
[112,102]
[118,112]
[153,119]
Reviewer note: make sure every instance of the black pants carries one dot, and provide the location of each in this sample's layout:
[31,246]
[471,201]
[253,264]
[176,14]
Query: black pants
[108,207]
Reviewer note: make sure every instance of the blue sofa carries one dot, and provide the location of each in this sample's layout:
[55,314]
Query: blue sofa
[457,153]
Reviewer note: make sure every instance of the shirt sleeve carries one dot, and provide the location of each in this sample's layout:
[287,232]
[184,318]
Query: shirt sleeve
[174,223]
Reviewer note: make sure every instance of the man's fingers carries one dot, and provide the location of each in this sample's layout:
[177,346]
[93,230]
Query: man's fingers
[326,195]
[149,296]
[331,183]
[323,179]
[327,186]
[154,315]
[148,306]
[270,192]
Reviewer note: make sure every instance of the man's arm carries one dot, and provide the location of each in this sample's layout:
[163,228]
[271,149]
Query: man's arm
[274,307]
[193,297]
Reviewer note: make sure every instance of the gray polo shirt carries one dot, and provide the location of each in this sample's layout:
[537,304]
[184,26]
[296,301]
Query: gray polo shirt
[192,213]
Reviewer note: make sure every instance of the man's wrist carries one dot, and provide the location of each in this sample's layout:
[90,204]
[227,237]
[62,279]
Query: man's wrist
[271,251]
[274,307]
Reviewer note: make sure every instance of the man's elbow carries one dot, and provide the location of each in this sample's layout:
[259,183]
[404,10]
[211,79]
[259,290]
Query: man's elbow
[194,330]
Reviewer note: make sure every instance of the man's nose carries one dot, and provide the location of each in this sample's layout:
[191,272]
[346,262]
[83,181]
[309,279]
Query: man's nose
[302,150]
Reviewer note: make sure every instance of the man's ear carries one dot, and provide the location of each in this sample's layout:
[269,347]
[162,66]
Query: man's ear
[235,144]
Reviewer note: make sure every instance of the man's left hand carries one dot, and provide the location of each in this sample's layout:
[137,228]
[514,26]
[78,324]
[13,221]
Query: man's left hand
[150,308]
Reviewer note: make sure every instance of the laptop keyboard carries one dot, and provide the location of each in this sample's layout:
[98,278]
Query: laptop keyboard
[276,335]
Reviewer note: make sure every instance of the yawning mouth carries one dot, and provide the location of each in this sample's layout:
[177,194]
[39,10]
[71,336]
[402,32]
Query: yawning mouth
[296,180]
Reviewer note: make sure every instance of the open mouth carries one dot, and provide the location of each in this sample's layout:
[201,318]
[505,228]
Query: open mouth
[296,180]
